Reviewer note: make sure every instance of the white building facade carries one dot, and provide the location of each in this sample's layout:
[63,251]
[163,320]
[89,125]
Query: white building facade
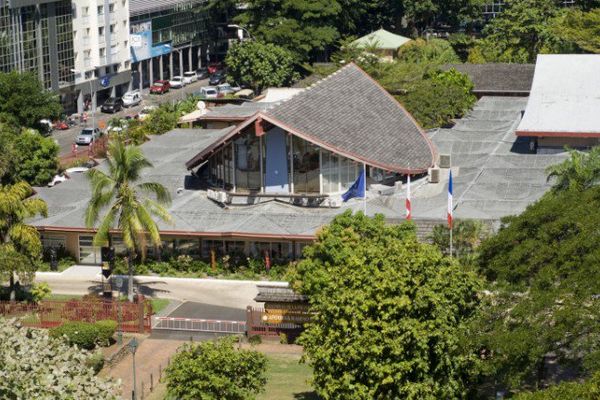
[102,50]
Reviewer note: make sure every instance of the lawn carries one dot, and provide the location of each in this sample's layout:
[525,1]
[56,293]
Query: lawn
[159,304]
[287,379]
[63,297]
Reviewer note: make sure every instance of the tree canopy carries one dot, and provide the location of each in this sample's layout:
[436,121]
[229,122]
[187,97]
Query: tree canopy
[36,366]
[544,279]
[260,65]
[581,28]
[387,312]
[216,371]
[20,244]
[428,51]
[25,101]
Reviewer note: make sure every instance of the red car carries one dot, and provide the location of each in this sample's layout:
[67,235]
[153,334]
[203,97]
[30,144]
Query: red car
[160,87]
[214,67]
[61,125]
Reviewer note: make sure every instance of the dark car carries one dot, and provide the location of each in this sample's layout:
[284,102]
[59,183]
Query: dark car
[202,73]
[216,79]
[160,87]
[112,105]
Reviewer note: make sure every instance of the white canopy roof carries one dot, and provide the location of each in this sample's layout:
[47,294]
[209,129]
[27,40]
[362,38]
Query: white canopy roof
[565,97]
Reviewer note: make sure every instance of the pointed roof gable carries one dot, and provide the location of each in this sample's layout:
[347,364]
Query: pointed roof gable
[352,115]
[382,39]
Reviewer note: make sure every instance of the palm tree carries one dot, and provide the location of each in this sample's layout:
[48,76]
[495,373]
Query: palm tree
[20,243]
[579,172]
[130,206]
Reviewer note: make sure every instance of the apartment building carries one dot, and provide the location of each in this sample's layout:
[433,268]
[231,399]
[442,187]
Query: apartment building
[102,66]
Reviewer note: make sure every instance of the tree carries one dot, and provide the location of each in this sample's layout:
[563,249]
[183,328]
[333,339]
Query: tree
[20,244]
[438,98]
[422,14]
[161,120]
[386,312]
[543,298]
[587,390]
[36,366]
[428,51]
[130,205]
[579,172]
[304,27]
[260,65]
[25,99]
[467,235]
[580,28]
[521,32]
[216,371]
[36,158]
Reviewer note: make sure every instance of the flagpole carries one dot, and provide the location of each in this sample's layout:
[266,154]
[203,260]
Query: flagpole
[451,228]
[365,181]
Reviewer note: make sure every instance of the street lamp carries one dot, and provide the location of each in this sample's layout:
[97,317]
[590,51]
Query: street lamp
[239,27]
[76,71]
[133,345]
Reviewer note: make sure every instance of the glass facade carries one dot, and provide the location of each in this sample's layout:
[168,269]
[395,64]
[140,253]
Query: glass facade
[311,169]
[39,39]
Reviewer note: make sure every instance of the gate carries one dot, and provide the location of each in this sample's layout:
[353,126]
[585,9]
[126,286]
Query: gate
[199,325]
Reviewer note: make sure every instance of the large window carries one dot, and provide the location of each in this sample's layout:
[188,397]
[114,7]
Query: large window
[330,171]
[306,166]
[247,162]
[88,253]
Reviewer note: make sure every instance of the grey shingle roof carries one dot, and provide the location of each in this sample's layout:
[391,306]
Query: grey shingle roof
[498,78]
[232,111]
[350,113]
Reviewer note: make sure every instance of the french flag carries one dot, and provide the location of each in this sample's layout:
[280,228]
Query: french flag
[408,206]
[450,201]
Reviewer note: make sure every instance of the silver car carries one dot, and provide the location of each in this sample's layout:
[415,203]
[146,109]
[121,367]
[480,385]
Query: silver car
[88,135]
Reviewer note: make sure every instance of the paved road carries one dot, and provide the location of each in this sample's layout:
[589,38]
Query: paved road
[66,138]
[225,293]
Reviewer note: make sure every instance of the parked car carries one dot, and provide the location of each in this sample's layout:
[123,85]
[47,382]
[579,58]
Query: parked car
[247,94]
[88,135]
[216,78]
[190,77]
[46,127]
[214,67]
[226,88]
[61,125]
[208,92]
[132,98]
[160,87]
[145,112]
[177,82]
[202,73]
[112,105]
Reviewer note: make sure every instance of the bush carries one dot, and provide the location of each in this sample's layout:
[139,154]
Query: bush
[95,362]
[106,331]
[216,370]
[428,51]
[86,335]
[255,340]
[39,291]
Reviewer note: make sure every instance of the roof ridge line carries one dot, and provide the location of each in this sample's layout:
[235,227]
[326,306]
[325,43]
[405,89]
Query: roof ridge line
[322,80]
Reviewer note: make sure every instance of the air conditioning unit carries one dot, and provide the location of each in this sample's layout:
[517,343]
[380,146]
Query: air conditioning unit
[445,160]
[434,175]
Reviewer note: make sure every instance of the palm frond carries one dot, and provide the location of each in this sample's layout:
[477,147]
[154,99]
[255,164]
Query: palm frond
[158,190]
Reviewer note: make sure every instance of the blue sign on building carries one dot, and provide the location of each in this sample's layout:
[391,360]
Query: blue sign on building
[105,81]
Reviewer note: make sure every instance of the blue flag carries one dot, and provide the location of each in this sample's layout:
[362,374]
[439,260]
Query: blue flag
[357,189]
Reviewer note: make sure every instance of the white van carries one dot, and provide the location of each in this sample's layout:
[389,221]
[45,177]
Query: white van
[189,77]
[132,98]
[209,92]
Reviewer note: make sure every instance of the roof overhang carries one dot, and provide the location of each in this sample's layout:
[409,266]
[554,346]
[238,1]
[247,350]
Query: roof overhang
[583,135]
[224,235]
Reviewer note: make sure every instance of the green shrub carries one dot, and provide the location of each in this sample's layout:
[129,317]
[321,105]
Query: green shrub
[39,291]
[95,362]
[283,338]
[106,331]
[86,335]
[255,340]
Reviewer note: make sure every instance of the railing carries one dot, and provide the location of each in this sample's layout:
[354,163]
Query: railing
[133,317]
[199,325]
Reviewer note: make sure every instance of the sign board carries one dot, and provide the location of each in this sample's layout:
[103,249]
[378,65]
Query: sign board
[286,314]
[140,38]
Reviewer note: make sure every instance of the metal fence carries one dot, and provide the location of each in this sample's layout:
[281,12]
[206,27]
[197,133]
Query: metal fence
[199,325]
[133,317]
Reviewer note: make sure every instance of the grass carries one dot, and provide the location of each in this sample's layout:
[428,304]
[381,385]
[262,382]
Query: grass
[287,379]
[63,297]
[159,304]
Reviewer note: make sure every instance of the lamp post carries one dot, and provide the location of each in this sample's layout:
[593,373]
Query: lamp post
[76,71]
[133,345]
[239,27]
